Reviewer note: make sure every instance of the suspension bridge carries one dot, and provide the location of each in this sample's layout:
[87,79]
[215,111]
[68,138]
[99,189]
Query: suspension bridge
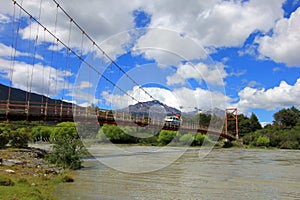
[29,106]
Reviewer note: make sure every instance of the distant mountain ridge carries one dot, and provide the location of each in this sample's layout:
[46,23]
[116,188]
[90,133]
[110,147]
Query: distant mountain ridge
[146,107]
[21,96]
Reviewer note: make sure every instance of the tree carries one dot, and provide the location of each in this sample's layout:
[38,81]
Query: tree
[203,119]
[4,136]
[199,139]
[165,137]
[186,139]
[19,138]
[254,123]
[262,141]
[115,134]
[41,133]
[286,118]
[67,146]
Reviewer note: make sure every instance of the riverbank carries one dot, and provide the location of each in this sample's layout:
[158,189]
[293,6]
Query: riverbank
[25,174]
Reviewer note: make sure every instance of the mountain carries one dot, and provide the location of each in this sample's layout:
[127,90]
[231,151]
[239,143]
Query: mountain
[22,96]
[152,106]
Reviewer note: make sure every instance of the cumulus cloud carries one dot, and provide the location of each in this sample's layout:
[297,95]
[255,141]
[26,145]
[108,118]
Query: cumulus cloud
[200,98]
[7,52]
[38,78]
[283,95]
[95,17]
[168,47]
[216,23]
[4,19]
[283,45]
[212,75]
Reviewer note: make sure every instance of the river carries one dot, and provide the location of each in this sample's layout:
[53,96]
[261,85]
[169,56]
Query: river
[221,174]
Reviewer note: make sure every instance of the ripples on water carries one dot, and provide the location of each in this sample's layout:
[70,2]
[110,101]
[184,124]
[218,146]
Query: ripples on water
[222,174]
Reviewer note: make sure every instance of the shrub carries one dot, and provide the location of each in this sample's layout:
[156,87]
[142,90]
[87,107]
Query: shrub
[165,137]
[114,134]
[290,145]
[199,139]
[67,179]
[186,139]
[149,141]
[4,135]
[67,146]
[19,138]
[262,141]
[4,139]
[4,181]
[40,133]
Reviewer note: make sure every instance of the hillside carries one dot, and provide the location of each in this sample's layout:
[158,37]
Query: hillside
[152,106]
[20,95]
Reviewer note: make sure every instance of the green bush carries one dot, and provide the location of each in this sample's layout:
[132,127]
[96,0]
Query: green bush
[114,134]
[290,145]
[149,141]
[262,141]
[165,136]
[4,181]
[19,138]
[67,146]
[199,139]
[41,133]
[186,139]
[4,139]
[4,135]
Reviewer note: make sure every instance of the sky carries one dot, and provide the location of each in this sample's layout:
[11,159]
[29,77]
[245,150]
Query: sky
[187,54]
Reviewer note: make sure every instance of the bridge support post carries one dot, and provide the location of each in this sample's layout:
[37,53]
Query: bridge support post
[27,110]
[231,114]
[61,111]
[7,110]
[46,110]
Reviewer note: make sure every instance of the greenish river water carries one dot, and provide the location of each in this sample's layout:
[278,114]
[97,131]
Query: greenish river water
[222,174]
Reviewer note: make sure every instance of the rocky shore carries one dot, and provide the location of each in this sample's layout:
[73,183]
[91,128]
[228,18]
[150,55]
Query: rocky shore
[29,161]
[25,174]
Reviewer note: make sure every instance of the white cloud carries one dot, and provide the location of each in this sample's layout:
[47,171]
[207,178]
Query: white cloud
[200,98]
[283,45]
[123,100]
[212,75]
[283,95]
[6,51]
[85,84]
[100,19]
[83,98]
[168,47]
[211,22]
[37,78]
[4,19]
[215,23]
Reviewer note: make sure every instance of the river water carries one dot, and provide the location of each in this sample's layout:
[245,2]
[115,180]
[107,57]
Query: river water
[221,174]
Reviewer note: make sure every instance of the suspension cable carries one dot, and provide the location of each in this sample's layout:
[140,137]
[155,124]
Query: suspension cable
[76,54]
[101,50]
[79,55]
[33,61]
[13,52]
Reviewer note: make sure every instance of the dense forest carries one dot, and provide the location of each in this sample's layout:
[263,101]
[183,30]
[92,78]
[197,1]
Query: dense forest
[283,133]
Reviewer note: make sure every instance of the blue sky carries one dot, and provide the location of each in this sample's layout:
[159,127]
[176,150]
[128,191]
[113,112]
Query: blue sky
[191,54]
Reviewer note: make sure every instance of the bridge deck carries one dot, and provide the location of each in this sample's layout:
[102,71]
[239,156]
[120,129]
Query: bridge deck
[20,111]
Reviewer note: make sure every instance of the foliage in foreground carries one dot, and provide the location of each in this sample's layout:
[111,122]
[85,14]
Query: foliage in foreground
[284,133]
[67,146]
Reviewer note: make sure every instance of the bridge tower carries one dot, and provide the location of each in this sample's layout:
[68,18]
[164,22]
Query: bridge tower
[231,114]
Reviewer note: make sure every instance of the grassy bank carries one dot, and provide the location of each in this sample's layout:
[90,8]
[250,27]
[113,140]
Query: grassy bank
[25,176]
